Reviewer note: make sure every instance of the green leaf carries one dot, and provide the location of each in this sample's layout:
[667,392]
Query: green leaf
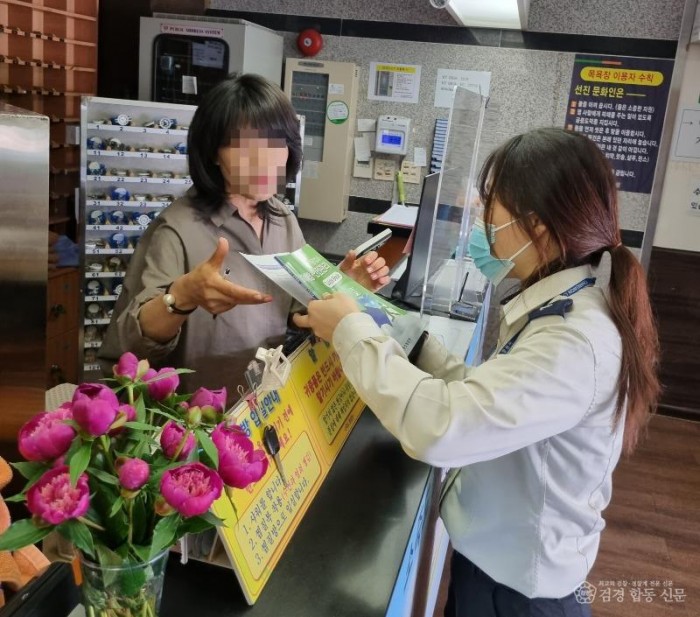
[18,498]
[79,462]
[22,533]
[103,476]
[165,414]
[208,446]
[139,520]
[142,552]
[198,524]
[164,534]
[140,407]
[74,447]
[30,471]
[108,557]
[195,524]
[117,526]
[212,519]
[177,371]
[176,399]
[78,533]
[118,503]
[141,426]
[131,580]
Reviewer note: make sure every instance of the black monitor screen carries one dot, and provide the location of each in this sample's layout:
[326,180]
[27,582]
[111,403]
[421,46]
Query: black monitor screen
[447,224]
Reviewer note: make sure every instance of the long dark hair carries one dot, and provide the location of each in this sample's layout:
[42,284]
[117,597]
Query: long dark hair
[235,103]
[566,181]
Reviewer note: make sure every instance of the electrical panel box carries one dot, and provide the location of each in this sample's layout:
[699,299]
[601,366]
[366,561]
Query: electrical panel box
[325,93]
[183,56]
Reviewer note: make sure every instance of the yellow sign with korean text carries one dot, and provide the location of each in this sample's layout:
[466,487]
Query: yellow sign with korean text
[313,416]
[635,77]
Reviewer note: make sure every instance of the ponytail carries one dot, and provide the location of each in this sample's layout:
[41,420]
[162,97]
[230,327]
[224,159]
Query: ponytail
[638,385]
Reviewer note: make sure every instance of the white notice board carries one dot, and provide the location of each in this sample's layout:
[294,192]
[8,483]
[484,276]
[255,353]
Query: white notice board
[448,79]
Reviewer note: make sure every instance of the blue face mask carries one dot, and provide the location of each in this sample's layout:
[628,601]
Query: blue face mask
[491,267]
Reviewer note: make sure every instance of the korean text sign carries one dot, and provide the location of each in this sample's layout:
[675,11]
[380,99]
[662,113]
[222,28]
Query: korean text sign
[620,104]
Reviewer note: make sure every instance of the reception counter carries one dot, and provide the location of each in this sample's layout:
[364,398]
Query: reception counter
[366,541]
[343,559]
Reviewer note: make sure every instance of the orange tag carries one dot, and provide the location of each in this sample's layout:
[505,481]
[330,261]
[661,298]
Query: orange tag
[77,572]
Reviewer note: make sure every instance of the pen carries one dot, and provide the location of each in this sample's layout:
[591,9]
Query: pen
[225,275]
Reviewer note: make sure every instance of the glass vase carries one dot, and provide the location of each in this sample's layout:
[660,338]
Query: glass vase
[128,590]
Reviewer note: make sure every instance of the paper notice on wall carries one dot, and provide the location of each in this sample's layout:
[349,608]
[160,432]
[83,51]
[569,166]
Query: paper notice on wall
[396,83]
[420,157]
[695,196]
[336,89]
[686,138]
[366,124]
[189,84]
[448,79]
[362,152]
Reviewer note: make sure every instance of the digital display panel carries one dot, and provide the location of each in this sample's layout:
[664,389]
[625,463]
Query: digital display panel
[391,140]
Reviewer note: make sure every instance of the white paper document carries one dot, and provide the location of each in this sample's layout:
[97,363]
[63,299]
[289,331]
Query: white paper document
[404,216]
[362,151]
[365,125]
[277,274]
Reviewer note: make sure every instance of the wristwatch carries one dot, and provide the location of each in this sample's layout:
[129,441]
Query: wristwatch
[169,301]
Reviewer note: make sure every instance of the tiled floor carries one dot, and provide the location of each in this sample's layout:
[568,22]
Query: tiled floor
[653,529]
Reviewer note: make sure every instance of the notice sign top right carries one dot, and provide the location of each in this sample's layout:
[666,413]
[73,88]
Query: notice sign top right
[620,104]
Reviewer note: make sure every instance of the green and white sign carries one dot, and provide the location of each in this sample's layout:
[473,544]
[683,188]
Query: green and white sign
[337,112]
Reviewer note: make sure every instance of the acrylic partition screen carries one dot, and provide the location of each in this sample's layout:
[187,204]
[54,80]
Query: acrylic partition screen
[471,135]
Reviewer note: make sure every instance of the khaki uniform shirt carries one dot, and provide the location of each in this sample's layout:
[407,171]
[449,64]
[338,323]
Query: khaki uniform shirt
[531,431]
[217,349]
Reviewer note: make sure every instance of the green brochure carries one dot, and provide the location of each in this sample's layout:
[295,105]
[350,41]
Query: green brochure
[306,275]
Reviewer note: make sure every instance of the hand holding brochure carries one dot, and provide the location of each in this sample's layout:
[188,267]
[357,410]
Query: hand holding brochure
[306,275]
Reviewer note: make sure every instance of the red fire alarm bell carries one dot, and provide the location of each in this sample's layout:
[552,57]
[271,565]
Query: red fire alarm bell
[309,42]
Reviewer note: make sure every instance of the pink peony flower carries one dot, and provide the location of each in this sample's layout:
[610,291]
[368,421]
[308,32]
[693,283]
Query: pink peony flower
[133,473]
[165,384]
[125,413]
[94,408]
[191,488]
[240,464]
[54,500]
[171,438]
[127,366]
[46,436]
[211,402]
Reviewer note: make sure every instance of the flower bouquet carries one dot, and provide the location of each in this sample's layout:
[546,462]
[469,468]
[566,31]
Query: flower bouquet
[123,472]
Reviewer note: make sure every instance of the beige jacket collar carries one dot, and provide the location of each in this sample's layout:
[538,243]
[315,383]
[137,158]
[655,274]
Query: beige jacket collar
[543,291]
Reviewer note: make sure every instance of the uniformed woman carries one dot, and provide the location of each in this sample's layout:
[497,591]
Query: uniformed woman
[534,433]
